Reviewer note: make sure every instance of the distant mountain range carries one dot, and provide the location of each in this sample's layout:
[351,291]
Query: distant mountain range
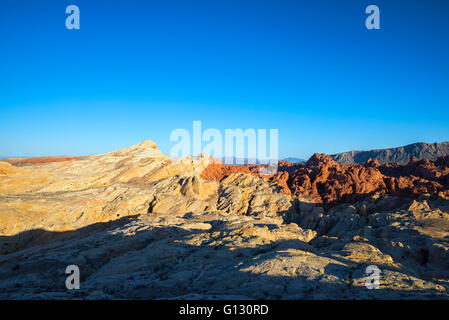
[241,161]
[294,160]
[234,160]
[420,150]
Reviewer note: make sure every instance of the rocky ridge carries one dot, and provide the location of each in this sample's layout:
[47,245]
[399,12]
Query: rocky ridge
[323,181]
[144,226]
[402,155]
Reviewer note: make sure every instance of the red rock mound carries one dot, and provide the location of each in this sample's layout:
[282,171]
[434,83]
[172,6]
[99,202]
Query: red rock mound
[322,180]
[325,181]
[219,171]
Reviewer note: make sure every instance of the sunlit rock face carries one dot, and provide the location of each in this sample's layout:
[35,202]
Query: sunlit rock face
[67,195]
[141,225]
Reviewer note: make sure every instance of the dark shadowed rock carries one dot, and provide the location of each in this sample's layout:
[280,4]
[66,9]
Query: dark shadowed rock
[402,155]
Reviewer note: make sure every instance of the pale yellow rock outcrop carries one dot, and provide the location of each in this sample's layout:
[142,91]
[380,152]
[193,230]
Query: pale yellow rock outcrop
[67,195]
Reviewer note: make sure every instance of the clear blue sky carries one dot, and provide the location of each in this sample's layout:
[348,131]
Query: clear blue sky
[136,70]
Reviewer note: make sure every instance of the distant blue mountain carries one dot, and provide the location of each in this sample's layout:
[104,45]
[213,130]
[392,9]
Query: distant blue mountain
[234,160]
[294,160]
[402,155]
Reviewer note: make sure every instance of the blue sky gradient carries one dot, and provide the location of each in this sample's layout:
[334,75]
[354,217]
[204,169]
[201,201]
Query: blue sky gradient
[136,70]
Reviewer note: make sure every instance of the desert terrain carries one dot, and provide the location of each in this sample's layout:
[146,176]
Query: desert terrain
[141,225]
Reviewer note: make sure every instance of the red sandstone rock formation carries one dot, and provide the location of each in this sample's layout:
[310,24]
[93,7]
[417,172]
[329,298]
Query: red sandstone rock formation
[323,180]
[218,171]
